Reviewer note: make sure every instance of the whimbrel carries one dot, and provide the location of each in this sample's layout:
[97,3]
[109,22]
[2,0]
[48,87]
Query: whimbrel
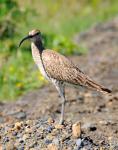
[58,69]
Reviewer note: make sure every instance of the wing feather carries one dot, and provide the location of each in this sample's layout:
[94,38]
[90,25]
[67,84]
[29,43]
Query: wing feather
[59,67]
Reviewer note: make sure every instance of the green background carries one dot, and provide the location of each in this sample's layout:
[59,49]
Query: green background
[59,21]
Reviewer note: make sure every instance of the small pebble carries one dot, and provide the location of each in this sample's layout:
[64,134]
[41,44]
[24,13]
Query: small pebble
[56,141]
[29,122]
[1,148]
[50,121]
[25,136]
[18,125]
[103,122]
[59,126]
[6,139]
[76,130]
[52,147]
[32,143]
[14,133]
[50,137]
[47,141]
[10,146]
[20,115]
[21,140]
[78,142]
[54,132]
[19,135]
[28,130]
[49,129]
[38,125]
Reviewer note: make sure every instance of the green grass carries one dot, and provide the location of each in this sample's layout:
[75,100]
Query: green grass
[58,20]
[19,77]
[69,17]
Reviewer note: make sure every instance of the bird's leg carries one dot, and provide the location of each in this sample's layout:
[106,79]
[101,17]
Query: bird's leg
[61,89]
[62,109]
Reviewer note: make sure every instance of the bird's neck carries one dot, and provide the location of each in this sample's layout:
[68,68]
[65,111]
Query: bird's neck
[39,45]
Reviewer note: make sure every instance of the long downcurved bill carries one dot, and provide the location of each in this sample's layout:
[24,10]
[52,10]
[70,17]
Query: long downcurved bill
[25,38]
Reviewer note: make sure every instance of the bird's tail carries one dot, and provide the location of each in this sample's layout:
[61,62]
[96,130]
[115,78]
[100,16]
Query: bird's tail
[97,86]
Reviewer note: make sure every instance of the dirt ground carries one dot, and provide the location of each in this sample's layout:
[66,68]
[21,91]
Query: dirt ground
[97,113]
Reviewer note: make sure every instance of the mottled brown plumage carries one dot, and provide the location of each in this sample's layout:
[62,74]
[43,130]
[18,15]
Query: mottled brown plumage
[61,68]
[58,69]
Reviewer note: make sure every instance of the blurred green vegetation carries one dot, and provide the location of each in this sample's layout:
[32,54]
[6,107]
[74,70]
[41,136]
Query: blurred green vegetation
[59,21]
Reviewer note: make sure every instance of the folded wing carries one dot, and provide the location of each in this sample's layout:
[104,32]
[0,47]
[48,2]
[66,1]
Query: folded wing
[61,68]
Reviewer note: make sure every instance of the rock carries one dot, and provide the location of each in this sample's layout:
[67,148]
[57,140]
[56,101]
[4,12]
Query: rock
[50,121]
[28,130]
[52,147]
[20,115]
[28,122]
[32,144]
[56,141]
[1,147]
[54,132]
[59,126]
[76,130]
[103,122]
[19,135]
[21,140]
[49,129]
[6,139]
[78,142]
[25,136]
[10,146]
[110,138]
[18,125]
[14,133]
[83,148]
[47,141]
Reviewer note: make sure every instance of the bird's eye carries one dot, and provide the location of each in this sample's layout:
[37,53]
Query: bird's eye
[37,33]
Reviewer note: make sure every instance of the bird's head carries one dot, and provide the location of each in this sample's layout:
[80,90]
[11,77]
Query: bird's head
[33,36]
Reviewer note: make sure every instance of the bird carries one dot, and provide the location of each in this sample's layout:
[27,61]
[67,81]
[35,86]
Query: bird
[58,69]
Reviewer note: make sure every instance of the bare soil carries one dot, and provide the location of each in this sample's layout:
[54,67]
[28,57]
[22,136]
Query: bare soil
[97,113]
